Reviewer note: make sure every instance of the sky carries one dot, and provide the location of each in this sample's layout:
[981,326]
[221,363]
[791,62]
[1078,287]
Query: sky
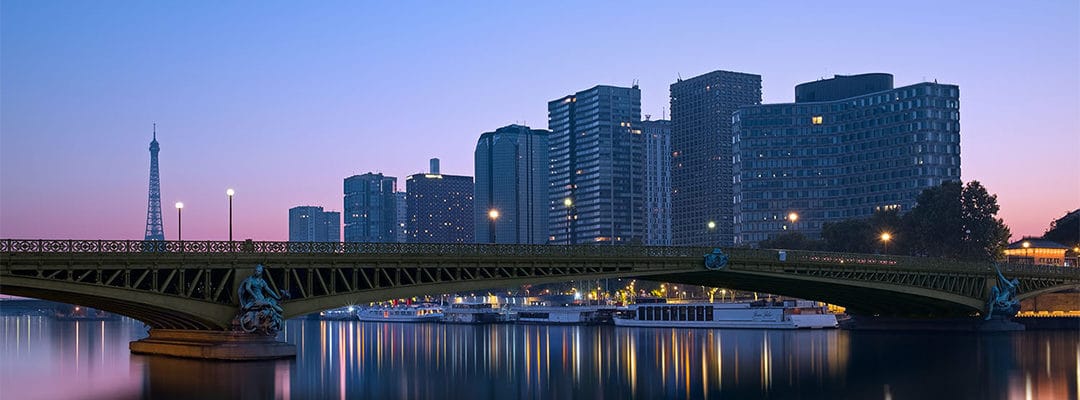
[283,100]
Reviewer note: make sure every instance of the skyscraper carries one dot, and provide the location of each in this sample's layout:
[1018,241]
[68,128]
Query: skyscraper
[401,234]
[154,229]
[312,224]
[847,147]
[597,167]
[512,179]
[370,208]
[657,181]
[701,193]
[440,207]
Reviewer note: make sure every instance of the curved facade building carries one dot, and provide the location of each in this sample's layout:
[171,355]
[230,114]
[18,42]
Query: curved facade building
[799,165]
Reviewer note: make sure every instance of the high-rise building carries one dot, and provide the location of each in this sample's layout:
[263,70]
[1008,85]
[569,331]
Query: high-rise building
[154,228]
[512,169]
[370,208]
[657,181]
[312,224]
[597,167]
[401,235]
[701,193]
[440,207]
[847,147]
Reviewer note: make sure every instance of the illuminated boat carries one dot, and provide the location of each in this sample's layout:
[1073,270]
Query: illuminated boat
[791,314]
[401,313]
[476,313]
[339,314]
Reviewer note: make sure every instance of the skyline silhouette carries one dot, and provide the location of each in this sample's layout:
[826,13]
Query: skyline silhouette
[282,101]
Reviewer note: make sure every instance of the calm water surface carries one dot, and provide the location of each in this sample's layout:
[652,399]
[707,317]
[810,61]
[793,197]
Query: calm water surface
[41,358]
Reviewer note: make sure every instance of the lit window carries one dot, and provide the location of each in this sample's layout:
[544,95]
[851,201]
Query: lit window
[816,120]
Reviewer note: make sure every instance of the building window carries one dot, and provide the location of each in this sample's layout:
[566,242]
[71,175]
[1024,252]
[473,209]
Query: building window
[816,120]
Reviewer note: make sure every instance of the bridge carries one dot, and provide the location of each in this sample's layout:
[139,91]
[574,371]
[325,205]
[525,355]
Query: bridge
[192,285]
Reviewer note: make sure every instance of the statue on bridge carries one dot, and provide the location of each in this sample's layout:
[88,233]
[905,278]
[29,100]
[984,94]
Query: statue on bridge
[1002,299]
[716,260]
[259,310]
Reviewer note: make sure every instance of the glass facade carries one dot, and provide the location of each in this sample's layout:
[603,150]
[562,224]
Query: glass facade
[799,165]
[312,224]
[370,208]
[701,192]
[512,178]
[657,182]
[597,167]
[440,208]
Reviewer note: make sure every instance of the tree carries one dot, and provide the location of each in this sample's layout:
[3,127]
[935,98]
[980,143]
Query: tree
[790,241]
[864,235]
[956,221]
[1065,230]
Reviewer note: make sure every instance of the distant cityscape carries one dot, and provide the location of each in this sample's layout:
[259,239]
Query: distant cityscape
[724,170]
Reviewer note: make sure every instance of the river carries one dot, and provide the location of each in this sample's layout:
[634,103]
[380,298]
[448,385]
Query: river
[42,358]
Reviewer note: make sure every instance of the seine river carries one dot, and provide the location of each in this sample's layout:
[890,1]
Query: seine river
[41,358]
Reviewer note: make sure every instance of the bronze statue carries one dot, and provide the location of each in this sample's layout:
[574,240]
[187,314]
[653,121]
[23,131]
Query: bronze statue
[1002,299]
[259,310]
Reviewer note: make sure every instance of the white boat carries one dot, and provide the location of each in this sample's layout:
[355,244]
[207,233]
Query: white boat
[409,313]
[339,314]
[791,314]
[476,313]
[560,315]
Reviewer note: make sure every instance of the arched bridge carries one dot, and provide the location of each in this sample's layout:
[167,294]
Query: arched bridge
[193,285]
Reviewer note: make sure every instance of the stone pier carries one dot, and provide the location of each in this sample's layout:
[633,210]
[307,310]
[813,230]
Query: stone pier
[212,345]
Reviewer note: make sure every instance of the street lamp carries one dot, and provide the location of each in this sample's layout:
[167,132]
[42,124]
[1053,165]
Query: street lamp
[885,237]
[793,217]
[569,204]
[493,215]
[179,221]
[1026,244]
[230,193]
[711,225]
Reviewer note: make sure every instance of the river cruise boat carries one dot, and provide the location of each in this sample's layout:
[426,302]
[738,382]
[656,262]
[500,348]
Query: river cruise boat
[339,314]
[566,315]
[403,313]
[476,313]
[791,314]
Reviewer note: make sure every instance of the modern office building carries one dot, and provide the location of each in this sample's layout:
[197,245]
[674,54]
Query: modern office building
[657,181]
[847,147]
[401,235]
[370,208]
[312,224]
[440,207]
[597,167]
[702,212]
[511,203]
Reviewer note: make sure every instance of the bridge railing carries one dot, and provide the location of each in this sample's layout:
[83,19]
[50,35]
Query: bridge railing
[315,248]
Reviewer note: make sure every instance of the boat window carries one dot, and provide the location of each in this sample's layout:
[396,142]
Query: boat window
[708,313]
[641,314]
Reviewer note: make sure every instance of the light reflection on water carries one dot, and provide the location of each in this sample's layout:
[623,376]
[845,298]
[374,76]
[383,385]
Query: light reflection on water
[48,359]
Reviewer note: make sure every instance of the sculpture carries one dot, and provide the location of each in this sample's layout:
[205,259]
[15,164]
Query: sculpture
[1002,299]
[716,260]
[259,310]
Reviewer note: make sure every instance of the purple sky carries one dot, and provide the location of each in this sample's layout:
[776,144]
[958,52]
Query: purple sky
[282,100]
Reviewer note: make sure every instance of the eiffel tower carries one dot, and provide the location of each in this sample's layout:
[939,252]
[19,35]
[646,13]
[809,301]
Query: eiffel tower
[154,230]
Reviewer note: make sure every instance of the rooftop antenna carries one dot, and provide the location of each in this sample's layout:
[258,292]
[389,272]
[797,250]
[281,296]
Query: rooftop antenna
[663,112]
[680,76]
[647,116]
[635,83]
[155,131]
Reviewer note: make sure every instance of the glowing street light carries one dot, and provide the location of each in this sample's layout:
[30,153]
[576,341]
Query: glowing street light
[885,238]
[569,203]
[493,215]
[230,193]
[711,225]
[179,221]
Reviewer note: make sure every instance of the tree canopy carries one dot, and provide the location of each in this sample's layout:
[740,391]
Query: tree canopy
[1065,230]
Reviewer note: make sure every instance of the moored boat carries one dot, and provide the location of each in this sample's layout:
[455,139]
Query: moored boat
[791,314]
[408,313]
[476,313]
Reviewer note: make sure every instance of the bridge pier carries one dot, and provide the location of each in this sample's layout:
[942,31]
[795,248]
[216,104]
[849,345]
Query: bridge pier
[212,345]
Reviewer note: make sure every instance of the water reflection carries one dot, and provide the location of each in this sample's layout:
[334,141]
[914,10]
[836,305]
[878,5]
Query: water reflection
[42,358]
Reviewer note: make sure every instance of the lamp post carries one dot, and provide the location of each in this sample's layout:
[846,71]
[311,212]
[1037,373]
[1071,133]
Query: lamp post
[885,237]
[179,221]
[793,217]
[1027,246]
[493,215]
[230,193]
[569,204]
